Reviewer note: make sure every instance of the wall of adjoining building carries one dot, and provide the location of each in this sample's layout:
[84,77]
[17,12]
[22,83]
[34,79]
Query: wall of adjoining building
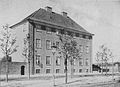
[13,68]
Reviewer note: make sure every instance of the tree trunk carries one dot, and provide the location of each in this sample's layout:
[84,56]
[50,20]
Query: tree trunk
[28,69]
[106,68]
[72,68]
[66,70]
[6,69]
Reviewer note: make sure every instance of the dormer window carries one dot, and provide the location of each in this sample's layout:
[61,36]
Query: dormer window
[48,30]
[38,28]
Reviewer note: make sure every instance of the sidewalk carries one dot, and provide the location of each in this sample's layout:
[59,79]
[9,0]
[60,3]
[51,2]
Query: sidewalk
[60,82]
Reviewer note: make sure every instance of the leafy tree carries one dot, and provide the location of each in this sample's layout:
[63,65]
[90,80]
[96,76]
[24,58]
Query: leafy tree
[7,45]
[69,49]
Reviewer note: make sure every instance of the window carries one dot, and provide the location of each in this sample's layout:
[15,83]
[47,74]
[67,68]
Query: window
[57,44]
[37,70]
[38,43]
[74,61]
[58,59]
[38,28]
[80,62]
[73,70]
[48,60]
[86,70]
[86,62]
[47,70]
[81,48]
[87,49]
[48,30]
[80,70]
[48,44]
[38,58]
[57,70]
[77,34]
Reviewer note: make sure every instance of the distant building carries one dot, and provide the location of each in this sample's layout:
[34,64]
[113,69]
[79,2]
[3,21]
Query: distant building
[42,26]
[110,67]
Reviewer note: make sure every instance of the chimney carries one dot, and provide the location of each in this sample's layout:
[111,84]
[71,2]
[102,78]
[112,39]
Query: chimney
[64,14]
[49,9]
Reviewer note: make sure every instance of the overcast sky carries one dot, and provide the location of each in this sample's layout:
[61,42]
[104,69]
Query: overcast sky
[100,17]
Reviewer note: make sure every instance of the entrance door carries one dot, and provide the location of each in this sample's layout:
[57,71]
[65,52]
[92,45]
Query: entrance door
[22,70]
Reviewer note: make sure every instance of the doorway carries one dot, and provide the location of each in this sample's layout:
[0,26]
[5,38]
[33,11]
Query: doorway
[22,70]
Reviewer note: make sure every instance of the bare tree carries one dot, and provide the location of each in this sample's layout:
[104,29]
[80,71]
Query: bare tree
[26,52]
[69,49]
[103,56]
[7,45]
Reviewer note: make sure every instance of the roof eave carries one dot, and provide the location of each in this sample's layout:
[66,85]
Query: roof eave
[36,20]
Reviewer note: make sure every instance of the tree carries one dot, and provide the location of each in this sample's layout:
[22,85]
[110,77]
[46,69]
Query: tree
[69,49]
[7,45]
[26,52]
[103,56]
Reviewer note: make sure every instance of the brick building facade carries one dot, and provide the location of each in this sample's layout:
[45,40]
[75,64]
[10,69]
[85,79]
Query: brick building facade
[42,26]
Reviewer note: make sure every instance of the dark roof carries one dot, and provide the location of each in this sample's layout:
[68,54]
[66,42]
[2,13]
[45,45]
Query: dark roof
[54,18]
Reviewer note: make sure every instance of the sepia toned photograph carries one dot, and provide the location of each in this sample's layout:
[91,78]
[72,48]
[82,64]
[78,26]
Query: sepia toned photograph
[59,43]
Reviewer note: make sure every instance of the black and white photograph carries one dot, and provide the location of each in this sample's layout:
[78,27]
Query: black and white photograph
[59,43]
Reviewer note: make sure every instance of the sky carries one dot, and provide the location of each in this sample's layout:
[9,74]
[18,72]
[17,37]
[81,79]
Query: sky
[99,17]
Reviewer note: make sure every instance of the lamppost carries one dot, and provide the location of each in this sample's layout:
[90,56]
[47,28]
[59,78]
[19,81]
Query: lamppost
[53,52]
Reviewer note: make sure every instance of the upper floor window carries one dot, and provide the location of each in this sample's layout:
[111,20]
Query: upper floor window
[57,44]
[38,43]
[81,48]
[58,60]
[86,62]
[74,61]
[48,60]
[80,62]
[38,58]
[48,30]
[87,49]
[48,44]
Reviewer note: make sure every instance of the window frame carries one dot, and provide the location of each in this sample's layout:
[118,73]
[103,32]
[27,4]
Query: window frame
[37,71]
[59,62]
[49,71]
[81,48]
[48,48]
[38,57]
[49,61]
[38,45]
[58,70]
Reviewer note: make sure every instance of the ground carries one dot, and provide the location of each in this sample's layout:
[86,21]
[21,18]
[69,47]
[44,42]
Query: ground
[85,81]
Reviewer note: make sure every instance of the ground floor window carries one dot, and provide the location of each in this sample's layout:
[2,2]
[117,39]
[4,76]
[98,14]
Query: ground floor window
[80,70]
[37,70]
[57,70]
[47,70]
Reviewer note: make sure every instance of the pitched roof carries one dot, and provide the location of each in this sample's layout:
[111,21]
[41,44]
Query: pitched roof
[55,18]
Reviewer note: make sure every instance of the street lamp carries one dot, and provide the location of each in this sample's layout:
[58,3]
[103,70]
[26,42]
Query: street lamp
[53,52]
